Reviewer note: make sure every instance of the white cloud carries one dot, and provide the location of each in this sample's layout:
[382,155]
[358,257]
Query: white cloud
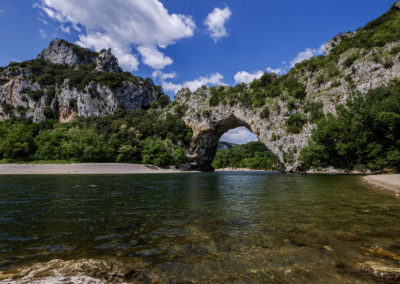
[213,79]
[43,34]
[277,71]
[121,25]
[157,74]
[65,29]
[240,135]
[307,54]
[154,58]
[215,22]
[246,77]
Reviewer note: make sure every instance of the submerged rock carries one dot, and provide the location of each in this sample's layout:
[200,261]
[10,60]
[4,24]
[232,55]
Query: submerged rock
[380,271]
[75,271]
[380,252]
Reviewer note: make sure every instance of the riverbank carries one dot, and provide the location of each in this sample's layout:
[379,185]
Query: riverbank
[84,168]
[389,182]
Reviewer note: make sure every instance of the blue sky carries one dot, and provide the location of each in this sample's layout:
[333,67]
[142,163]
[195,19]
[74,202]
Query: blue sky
[173,43]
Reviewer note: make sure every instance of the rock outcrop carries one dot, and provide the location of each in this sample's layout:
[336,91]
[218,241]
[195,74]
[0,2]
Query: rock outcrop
[63,52]
[92,84]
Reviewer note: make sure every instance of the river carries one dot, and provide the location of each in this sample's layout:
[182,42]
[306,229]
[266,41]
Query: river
[244,227]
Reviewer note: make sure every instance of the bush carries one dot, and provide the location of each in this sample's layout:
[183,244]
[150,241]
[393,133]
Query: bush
[295,123]
[84,145]
[264,114]
[16,140]
[154,151]
[350,60]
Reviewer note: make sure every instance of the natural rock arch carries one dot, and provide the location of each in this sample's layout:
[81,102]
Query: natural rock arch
[209,123]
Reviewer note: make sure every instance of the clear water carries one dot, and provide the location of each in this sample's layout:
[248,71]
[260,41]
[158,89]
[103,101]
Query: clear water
[221,227]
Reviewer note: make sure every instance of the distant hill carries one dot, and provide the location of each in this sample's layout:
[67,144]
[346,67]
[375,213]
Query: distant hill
[222,145]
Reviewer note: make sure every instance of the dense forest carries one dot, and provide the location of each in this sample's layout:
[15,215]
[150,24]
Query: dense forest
[142,136]
[253,155]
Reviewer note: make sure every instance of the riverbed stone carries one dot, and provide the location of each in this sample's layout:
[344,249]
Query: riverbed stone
[380,271]
[75,271]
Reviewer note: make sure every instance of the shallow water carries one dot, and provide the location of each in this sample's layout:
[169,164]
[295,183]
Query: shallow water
[220,227]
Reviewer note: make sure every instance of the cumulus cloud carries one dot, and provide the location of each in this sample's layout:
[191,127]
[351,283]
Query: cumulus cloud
[213,79]
[154,58]
[121,25]
[240,135]
[307,54]
[215,22]
[247,77]
[157,74]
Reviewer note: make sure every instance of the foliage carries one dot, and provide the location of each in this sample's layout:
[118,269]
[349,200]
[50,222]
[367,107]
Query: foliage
[314,110]
[379,32]
[136,137]
[49,75]
[155,152]
[16,140]
[253,155]
[295,123]
[255,95]
[365,132]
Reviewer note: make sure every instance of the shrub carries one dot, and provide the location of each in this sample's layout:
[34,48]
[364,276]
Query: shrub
[315,110]
[264,114]
[8,108]
[35,95]
[291,104]
[350,60]
[154,151]
[320,80]
[295,123]
[16,140]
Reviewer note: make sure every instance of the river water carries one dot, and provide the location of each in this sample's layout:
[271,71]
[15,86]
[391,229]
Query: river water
[246,227]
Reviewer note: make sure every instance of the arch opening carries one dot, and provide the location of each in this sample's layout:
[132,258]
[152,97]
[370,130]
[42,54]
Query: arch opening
[240,148]
[207,136]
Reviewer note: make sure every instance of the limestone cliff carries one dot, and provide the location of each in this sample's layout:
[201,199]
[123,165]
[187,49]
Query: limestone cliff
[66,81]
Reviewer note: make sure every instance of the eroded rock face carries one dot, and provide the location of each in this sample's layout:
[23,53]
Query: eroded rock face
[21,95]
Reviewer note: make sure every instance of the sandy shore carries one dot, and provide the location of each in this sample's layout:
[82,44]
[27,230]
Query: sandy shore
[88,168]
[389,182]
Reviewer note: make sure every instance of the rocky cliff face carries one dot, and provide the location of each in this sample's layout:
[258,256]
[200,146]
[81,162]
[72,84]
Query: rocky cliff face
[63,52]
[66,81]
